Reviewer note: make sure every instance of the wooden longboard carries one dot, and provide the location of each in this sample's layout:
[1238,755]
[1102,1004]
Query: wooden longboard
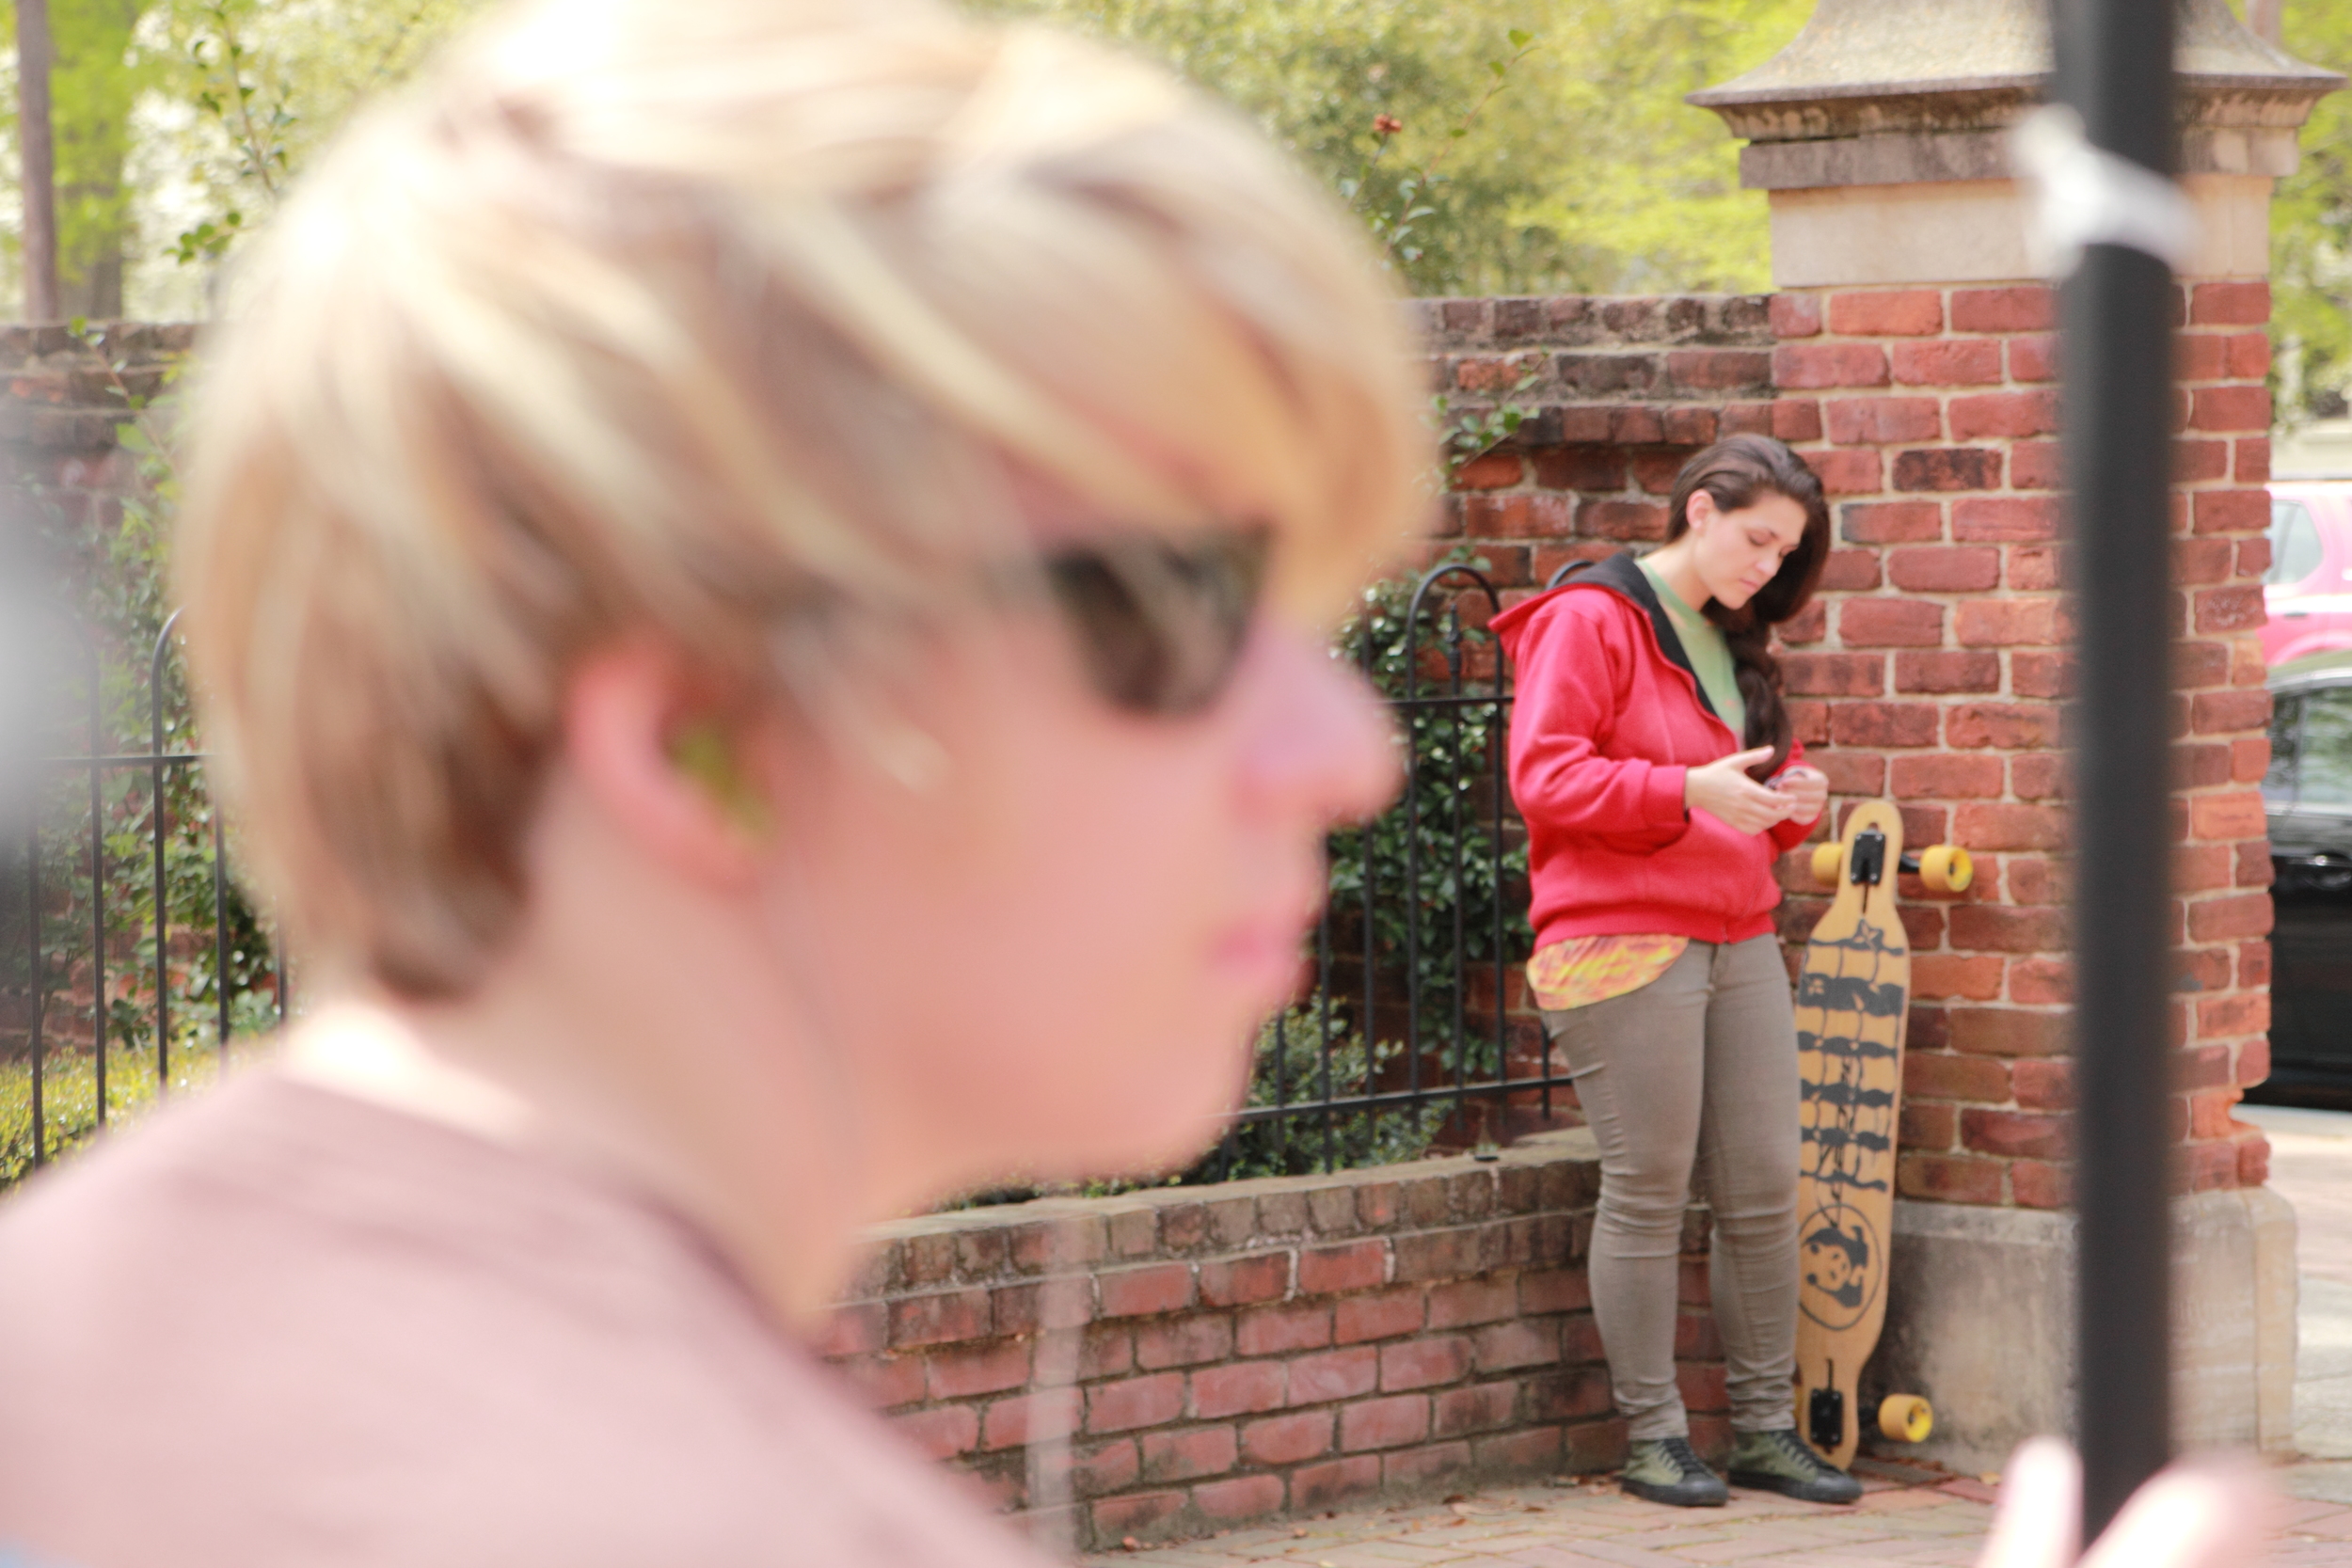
[1853,996]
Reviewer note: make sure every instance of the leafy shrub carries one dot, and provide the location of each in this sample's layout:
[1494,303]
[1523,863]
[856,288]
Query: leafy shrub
[1440,876]
[1301,1055]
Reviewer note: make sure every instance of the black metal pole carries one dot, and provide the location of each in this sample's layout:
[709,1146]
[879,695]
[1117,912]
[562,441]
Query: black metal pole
[2115,70]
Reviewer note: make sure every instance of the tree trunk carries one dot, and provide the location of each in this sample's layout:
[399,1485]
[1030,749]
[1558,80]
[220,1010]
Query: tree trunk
[33,55]
[90,284]
[90,144]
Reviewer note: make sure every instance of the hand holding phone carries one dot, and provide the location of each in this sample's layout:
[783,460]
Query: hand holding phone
[1807,789]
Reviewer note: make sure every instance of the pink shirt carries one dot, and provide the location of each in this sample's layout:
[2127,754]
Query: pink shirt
[279,1327]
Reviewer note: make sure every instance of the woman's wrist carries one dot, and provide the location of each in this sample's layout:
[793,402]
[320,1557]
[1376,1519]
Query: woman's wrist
[1667,797]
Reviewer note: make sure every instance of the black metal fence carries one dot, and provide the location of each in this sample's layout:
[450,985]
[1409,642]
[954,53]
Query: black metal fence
[139,966]
[134,964]
[1413,1030]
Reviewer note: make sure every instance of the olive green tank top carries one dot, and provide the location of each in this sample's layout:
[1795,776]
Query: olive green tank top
[1709,655]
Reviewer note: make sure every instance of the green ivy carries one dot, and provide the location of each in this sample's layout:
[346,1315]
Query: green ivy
[1302,1054]
[1444,856]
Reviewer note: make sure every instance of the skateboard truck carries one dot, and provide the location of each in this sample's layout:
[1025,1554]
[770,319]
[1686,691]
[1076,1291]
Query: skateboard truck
[1825,1418]
[1869,857]
[1945,867]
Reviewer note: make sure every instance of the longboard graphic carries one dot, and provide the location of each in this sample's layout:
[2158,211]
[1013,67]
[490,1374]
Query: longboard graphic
[1853,993]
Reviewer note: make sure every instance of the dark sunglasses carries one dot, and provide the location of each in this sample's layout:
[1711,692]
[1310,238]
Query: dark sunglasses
[1159,623]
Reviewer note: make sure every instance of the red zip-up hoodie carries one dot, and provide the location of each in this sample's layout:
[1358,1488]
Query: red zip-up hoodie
[1609,718]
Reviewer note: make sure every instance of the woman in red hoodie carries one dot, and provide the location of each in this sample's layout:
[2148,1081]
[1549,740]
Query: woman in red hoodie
[1652,757]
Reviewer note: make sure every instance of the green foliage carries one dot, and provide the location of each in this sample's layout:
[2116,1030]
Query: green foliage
[2310,230]
[208,966]
[1437,874]
[69,1105]
[1303,1056]
[1467,435]
[124,593]
[236,95]
[126,605]
[1575,166]
[1303,1053]
[1401,221]
[70,1097]
[245,92]
[1531,145]
[91,87]
[1437,879]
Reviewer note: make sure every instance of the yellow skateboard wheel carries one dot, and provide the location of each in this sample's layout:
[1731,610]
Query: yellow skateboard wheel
[1829,862]
[1906,1418]
[1947,868]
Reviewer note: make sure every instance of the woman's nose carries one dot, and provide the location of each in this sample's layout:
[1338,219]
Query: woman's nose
[1318,740]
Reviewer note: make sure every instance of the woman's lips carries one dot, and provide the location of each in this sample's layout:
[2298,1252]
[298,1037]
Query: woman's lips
[1261,953]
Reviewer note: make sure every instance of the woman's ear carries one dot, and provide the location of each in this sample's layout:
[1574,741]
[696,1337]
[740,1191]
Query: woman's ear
[1701,509]
[668,768]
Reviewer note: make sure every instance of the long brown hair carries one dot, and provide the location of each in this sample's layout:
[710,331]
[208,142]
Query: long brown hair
[1737,472]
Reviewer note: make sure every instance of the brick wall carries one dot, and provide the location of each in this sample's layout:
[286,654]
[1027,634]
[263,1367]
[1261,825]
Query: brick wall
[1240,1352]
[57,417]
[1933,670]
[1622,391]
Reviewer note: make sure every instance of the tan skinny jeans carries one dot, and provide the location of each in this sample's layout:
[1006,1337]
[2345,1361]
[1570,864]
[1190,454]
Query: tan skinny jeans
[1695,1075]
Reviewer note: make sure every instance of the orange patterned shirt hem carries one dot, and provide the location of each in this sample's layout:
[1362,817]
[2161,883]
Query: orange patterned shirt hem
[1585,970]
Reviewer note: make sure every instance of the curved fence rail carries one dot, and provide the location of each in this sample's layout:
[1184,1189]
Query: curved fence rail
[142,966]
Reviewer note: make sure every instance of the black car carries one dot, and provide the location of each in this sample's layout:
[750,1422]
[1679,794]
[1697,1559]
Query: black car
[2308,796]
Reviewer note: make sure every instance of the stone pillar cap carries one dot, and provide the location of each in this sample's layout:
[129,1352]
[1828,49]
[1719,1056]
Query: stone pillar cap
[1875,67]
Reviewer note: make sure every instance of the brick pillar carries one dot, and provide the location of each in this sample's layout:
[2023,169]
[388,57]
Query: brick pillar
[1914,365]
[1933,672]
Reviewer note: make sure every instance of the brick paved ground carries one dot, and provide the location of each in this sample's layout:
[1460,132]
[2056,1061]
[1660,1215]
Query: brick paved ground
[1906,1518]
[1594,1526]
[1927,1523]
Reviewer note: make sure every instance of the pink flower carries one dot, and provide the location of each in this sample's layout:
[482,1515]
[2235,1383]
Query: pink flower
[1387,125]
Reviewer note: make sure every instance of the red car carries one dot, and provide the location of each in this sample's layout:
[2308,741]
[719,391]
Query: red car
[2307,589]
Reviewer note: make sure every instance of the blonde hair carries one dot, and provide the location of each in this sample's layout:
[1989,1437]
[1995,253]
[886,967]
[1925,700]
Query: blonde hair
[637,315]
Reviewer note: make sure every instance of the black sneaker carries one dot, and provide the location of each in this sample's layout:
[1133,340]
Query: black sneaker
[1664,1470]
[1780,1462]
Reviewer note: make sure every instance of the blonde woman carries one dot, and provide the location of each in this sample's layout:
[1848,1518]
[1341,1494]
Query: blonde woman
[759,572]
